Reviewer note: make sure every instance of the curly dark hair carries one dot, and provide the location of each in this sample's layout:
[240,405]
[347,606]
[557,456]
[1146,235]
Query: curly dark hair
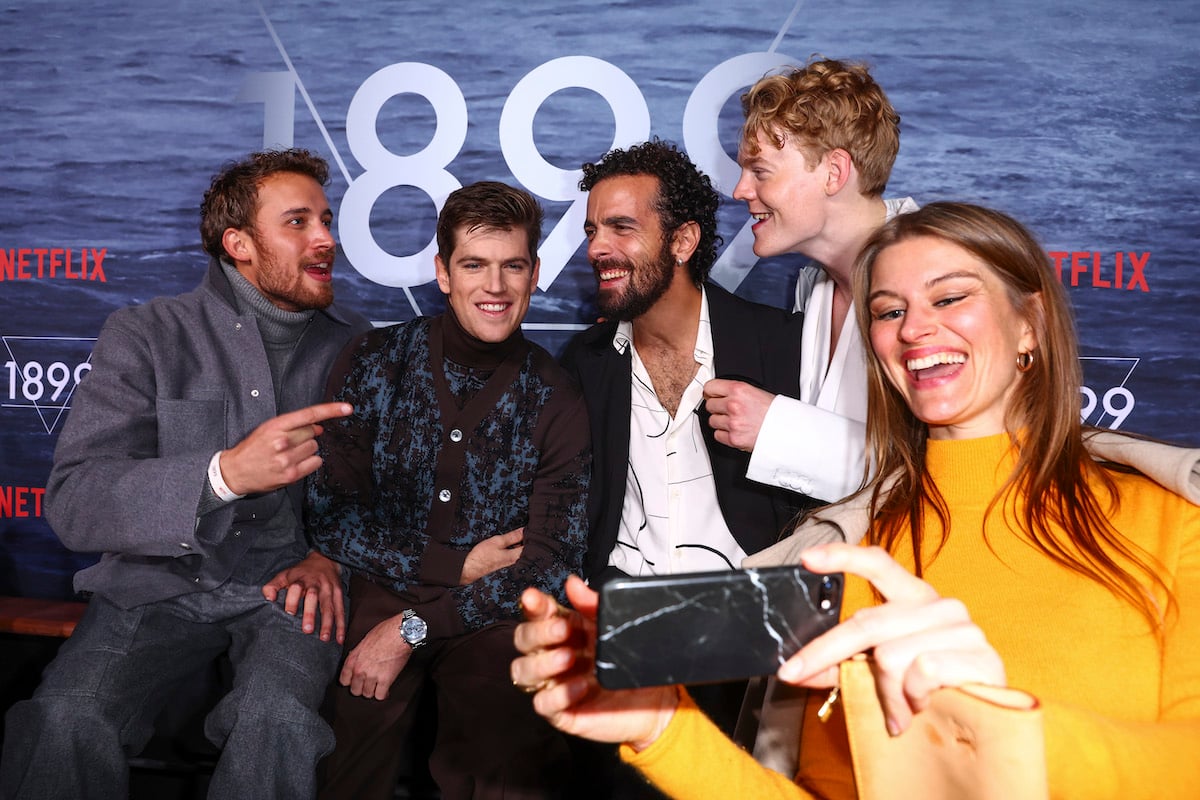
[232,198]
[685,194]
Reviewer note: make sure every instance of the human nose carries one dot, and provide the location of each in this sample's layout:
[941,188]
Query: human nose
[918,323]
[494,280]
[598,247]
[744,190]
[323,240]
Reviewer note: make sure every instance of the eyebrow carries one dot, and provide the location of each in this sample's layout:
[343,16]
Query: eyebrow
[467,256]
[620,219]
[929,284]
[302,210]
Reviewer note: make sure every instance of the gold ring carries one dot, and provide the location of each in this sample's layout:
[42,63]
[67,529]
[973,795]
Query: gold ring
[532,689]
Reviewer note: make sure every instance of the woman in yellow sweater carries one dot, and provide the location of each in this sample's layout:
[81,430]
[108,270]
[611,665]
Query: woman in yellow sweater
[1033,565]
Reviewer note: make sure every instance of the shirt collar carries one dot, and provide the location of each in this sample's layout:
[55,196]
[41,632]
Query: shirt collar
[704,344]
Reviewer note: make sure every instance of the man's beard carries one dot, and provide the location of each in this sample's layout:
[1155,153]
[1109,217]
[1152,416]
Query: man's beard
[275,284]
[647,283]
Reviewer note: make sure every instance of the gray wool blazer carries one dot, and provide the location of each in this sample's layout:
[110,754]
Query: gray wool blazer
[172,382]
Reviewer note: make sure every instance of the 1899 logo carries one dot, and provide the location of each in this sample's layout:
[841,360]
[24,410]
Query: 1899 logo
[50,383]
[40,374]
[1106,402]
[427,171]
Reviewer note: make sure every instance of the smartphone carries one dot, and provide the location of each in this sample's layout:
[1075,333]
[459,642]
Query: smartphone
[705,627]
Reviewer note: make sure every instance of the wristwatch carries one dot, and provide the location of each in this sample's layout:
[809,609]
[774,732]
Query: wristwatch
[413,629]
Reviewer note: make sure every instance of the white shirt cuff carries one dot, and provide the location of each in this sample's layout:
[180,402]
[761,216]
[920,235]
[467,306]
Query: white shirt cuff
[808,450]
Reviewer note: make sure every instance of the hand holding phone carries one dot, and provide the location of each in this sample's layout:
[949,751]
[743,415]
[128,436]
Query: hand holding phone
[710,626]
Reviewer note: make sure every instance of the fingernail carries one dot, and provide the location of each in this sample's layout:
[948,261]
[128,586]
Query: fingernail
[791,670]
[893,727]
[813,556]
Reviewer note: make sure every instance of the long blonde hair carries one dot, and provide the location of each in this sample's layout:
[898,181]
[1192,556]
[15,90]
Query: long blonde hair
[1054,472]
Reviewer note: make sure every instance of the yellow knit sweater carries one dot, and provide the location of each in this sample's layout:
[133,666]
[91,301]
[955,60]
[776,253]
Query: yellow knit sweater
[1121,708]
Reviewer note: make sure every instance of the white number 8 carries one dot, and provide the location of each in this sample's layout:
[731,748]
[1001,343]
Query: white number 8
[383,169]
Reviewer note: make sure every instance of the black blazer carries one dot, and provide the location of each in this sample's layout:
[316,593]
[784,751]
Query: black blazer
[751,342]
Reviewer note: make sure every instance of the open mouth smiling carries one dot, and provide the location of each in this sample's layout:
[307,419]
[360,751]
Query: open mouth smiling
[934,365]
[612,274]
[320,271]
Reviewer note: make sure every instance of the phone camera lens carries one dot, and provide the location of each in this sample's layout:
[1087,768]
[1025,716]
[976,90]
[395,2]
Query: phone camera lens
[828,592]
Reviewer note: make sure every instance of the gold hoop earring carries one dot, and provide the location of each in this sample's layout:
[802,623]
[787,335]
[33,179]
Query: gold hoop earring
[1024,361]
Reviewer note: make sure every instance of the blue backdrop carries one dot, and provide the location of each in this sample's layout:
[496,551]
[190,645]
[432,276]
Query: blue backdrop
[1077,116]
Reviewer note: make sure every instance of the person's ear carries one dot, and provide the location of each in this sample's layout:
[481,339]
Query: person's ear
[684,241]
[839,168]
[238,244]
[533,279]
[1034,319]
[443,274]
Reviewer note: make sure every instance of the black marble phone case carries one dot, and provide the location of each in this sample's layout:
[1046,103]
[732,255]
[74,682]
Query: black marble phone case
[709,626]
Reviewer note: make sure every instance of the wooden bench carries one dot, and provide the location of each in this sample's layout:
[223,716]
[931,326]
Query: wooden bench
[30,616]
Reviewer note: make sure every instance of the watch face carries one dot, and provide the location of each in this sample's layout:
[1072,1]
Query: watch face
[413,629]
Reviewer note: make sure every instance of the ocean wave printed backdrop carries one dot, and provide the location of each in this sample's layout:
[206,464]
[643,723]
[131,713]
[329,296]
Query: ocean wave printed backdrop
[1077,117]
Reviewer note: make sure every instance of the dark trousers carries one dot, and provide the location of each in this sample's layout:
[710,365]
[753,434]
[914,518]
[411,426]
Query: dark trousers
[98,699]
[489,742]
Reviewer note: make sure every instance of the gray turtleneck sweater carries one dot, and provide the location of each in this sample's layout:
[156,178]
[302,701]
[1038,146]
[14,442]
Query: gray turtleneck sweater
[280,331]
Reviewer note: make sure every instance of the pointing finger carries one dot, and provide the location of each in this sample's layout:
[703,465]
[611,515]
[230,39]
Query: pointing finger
[313,414]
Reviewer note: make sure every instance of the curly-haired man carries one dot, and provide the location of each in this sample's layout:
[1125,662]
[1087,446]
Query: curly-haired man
[666,497]
[663,504]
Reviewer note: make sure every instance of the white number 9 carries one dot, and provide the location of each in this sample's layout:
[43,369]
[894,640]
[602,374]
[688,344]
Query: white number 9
[703,144]
[1088,405]
[1121,413]
[632,122]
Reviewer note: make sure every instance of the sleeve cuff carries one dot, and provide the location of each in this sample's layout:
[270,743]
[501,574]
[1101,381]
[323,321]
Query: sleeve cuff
[442,565]
[441,615]
[808,450]
[663,745]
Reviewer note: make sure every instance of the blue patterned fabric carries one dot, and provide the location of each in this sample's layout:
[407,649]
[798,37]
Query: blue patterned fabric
[522,460]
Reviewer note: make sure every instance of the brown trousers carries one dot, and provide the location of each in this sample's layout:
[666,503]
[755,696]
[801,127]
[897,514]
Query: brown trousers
[489,743]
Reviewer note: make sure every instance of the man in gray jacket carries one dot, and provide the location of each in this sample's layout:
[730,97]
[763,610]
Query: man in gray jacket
[182,462]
